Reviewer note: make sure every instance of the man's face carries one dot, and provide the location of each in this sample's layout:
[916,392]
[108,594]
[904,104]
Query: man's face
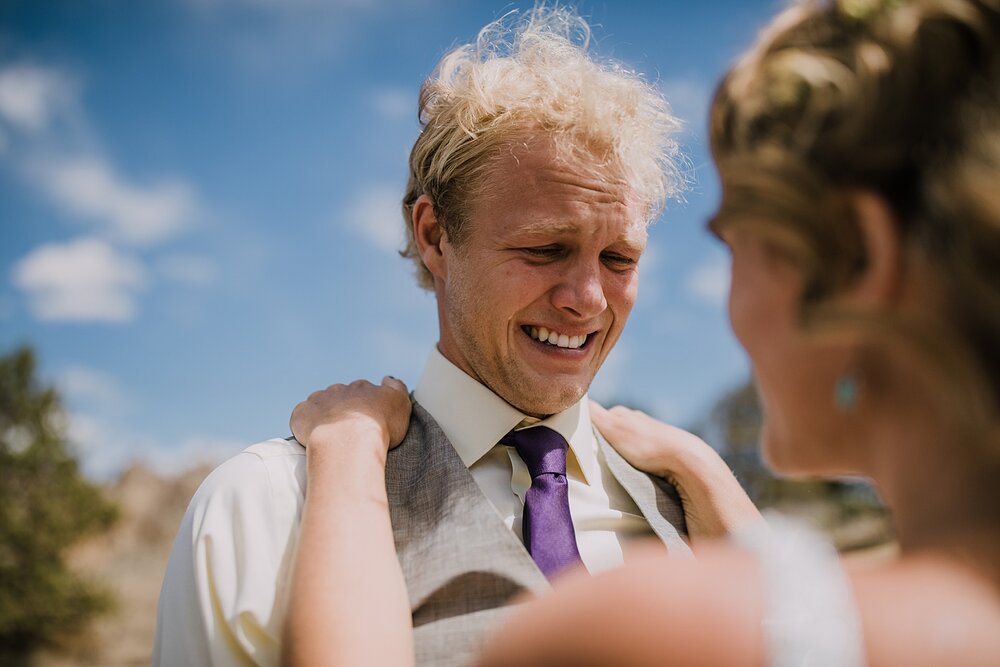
[551,251]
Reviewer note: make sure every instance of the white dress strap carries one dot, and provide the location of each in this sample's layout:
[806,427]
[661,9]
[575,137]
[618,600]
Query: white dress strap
[810,619]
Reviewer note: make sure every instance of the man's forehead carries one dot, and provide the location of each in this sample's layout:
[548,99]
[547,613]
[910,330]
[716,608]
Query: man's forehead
[541,159]
[538,167]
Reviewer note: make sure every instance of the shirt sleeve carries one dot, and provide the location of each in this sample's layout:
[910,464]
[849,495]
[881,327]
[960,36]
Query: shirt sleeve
[222,600]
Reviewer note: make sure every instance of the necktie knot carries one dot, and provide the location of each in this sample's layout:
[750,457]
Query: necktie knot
[542,449]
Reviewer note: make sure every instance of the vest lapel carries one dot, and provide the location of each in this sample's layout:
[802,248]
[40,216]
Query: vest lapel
[456,553]
[655,497]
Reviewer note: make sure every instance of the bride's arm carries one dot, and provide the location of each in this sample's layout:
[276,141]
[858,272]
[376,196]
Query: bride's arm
[714,502]
[655,611]
[348,603]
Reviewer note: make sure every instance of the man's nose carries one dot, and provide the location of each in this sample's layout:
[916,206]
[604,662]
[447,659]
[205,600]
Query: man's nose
[581,290]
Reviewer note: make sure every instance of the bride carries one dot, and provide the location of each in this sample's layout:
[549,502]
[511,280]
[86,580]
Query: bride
[858,145]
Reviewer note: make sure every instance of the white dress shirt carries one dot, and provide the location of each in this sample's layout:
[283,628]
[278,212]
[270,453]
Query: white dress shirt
[474,419]
[224,593]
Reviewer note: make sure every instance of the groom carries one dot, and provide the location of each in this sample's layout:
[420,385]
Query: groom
[531,186]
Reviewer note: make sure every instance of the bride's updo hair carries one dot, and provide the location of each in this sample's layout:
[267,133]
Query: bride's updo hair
[896,97]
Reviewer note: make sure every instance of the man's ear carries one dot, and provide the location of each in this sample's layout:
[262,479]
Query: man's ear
[879,281]
[430,237]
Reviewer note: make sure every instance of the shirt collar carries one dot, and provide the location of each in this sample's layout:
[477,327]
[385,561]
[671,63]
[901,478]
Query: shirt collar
[474,418]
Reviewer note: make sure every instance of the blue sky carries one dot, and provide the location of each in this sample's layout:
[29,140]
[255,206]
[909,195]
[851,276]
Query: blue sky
[199,199]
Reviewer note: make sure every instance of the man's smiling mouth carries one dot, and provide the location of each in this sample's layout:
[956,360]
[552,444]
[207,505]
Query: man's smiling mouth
[556,339]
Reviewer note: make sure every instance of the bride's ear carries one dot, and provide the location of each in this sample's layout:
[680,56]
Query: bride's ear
[878,282]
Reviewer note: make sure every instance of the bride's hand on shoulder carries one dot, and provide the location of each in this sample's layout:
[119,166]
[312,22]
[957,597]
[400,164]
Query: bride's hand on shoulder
[647,443]
[359,412]
[714,502]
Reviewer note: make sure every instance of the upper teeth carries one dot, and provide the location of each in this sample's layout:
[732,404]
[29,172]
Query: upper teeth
[558,339]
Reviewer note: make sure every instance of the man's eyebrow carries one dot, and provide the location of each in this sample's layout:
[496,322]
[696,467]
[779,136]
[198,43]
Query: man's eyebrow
[547,230]
[633,244]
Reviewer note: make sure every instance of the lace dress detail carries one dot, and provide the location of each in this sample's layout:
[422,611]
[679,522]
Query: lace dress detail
[810,617]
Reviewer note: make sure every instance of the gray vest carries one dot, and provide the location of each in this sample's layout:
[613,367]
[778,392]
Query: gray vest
[461,563]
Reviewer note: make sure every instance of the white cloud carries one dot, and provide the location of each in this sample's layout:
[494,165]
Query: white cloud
[83,281]
[286,6]
[191,452]
[376,216]
[188,269]
[89,188]
[46,136]
[82,385]
[29,95]
[709,282]
[394,103]
[275,39]
[97,404]
[105,450]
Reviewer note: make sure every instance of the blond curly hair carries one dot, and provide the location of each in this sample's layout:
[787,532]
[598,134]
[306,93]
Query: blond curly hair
[526,77]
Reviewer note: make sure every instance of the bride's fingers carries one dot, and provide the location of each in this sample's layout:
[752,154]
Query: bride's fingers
[394,383]
[608,421]
[300,415]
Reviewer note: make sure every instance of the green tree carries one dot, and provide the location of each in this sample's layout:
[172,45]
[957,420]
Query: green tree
[45,506]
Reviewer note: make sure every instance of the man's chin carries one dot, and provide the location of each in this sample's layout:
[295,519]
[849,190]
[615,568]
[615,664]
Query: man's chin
[546,401]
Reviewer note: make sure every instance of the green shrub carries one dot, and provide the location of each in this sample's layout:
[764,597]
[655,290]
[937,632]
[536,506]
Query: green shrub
[45,506]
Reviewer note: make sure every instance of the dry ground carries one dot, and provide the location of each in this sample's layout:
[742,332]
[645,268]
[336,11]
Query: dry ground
[130,560]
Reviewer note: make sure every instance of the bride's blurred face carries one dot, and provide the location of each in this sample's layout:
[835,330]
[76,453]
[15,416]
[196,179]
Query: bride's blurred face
[793,372]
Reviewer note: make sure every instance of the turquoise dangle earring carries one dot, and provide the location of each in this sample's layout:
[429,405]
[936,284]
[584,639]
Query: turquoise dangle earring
[845,392]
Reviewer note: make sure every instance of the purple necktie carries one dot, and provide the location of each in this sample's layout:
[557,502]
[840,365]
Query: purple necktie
[547,526]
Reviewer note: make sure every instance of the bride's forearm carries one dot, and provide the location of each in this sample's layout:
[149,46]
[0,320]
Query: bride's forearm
[348,603]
